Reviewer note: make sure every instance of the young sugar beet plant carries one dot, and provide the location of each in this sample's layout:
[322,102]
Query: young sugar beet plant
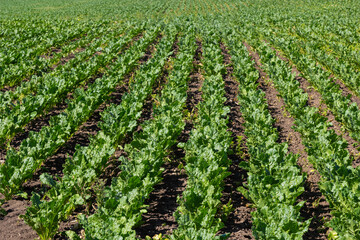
[345,65]
[346,112]
[20,165]
[121,206]
[84,168]
[21,57]
[10,98]
[56,86]
[274,179]
[15,73]
[340,182]
[206,153]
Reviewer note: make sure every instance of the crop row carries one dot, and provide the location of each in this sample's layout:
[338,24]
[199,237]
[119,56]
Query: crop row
[55,87]
[206,152]
[36,83]
[274,179]
[21,164]
[326,151]
[14,74]
[87,163]
[122,204]
[14,60]
[345,111]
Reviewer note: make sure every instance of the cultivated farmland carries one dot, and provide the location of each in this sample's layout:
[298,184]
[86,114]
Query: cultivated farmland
[181,120]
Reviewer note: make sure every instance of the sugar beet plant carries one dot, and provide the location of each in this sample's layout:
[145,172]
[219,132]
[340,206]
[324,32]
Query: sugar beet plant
[274,179]
[327,151]
[206,153]
[55,87]
[88,162]
[122,204]
[81,49]
[20,165]
[82,53]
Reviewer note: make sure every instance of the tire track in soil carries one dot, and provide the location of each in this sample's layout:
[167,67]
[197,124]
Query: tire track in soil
[315,206]
[53,165]
[238,223]
[315,100]
[162,201]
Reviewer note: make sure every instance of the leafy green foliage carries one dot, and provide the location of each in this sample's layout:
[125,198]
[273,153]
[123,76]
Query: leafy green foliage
[326,150]
[121,206]
[206,153]
[88,162]
[274,179]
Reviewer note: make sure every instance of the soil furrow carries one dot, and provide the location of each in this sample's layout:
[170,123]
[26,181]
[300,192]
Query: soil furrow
[112,169]
[162,202]
[13,228]
[62,61]
[54,166]
[238,223]
[49,55]
[315,206]
[346,91]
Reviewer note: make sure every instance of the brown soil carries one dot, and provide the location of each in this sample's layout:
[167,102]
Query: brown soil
[8,88]
[58,49]
[162,80]
[43,120]
[62,61]
[163,200]
[238,223]
[112,167]
[352,144]
[316,101]
[147,111]
[315,206]
[13,228]
[50,54]
[54,167]
[35,126]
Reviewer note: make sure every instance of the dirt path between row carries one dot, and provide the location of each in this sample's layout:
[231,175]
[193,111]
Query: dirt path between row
[238,223]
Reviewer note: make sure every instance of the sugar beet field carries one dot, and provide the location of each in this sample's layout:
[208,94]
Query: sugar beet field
[179,120]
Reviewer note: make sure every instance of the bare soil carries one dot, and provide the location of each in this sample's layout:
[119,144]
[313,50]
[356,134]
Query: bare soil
[238,223]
